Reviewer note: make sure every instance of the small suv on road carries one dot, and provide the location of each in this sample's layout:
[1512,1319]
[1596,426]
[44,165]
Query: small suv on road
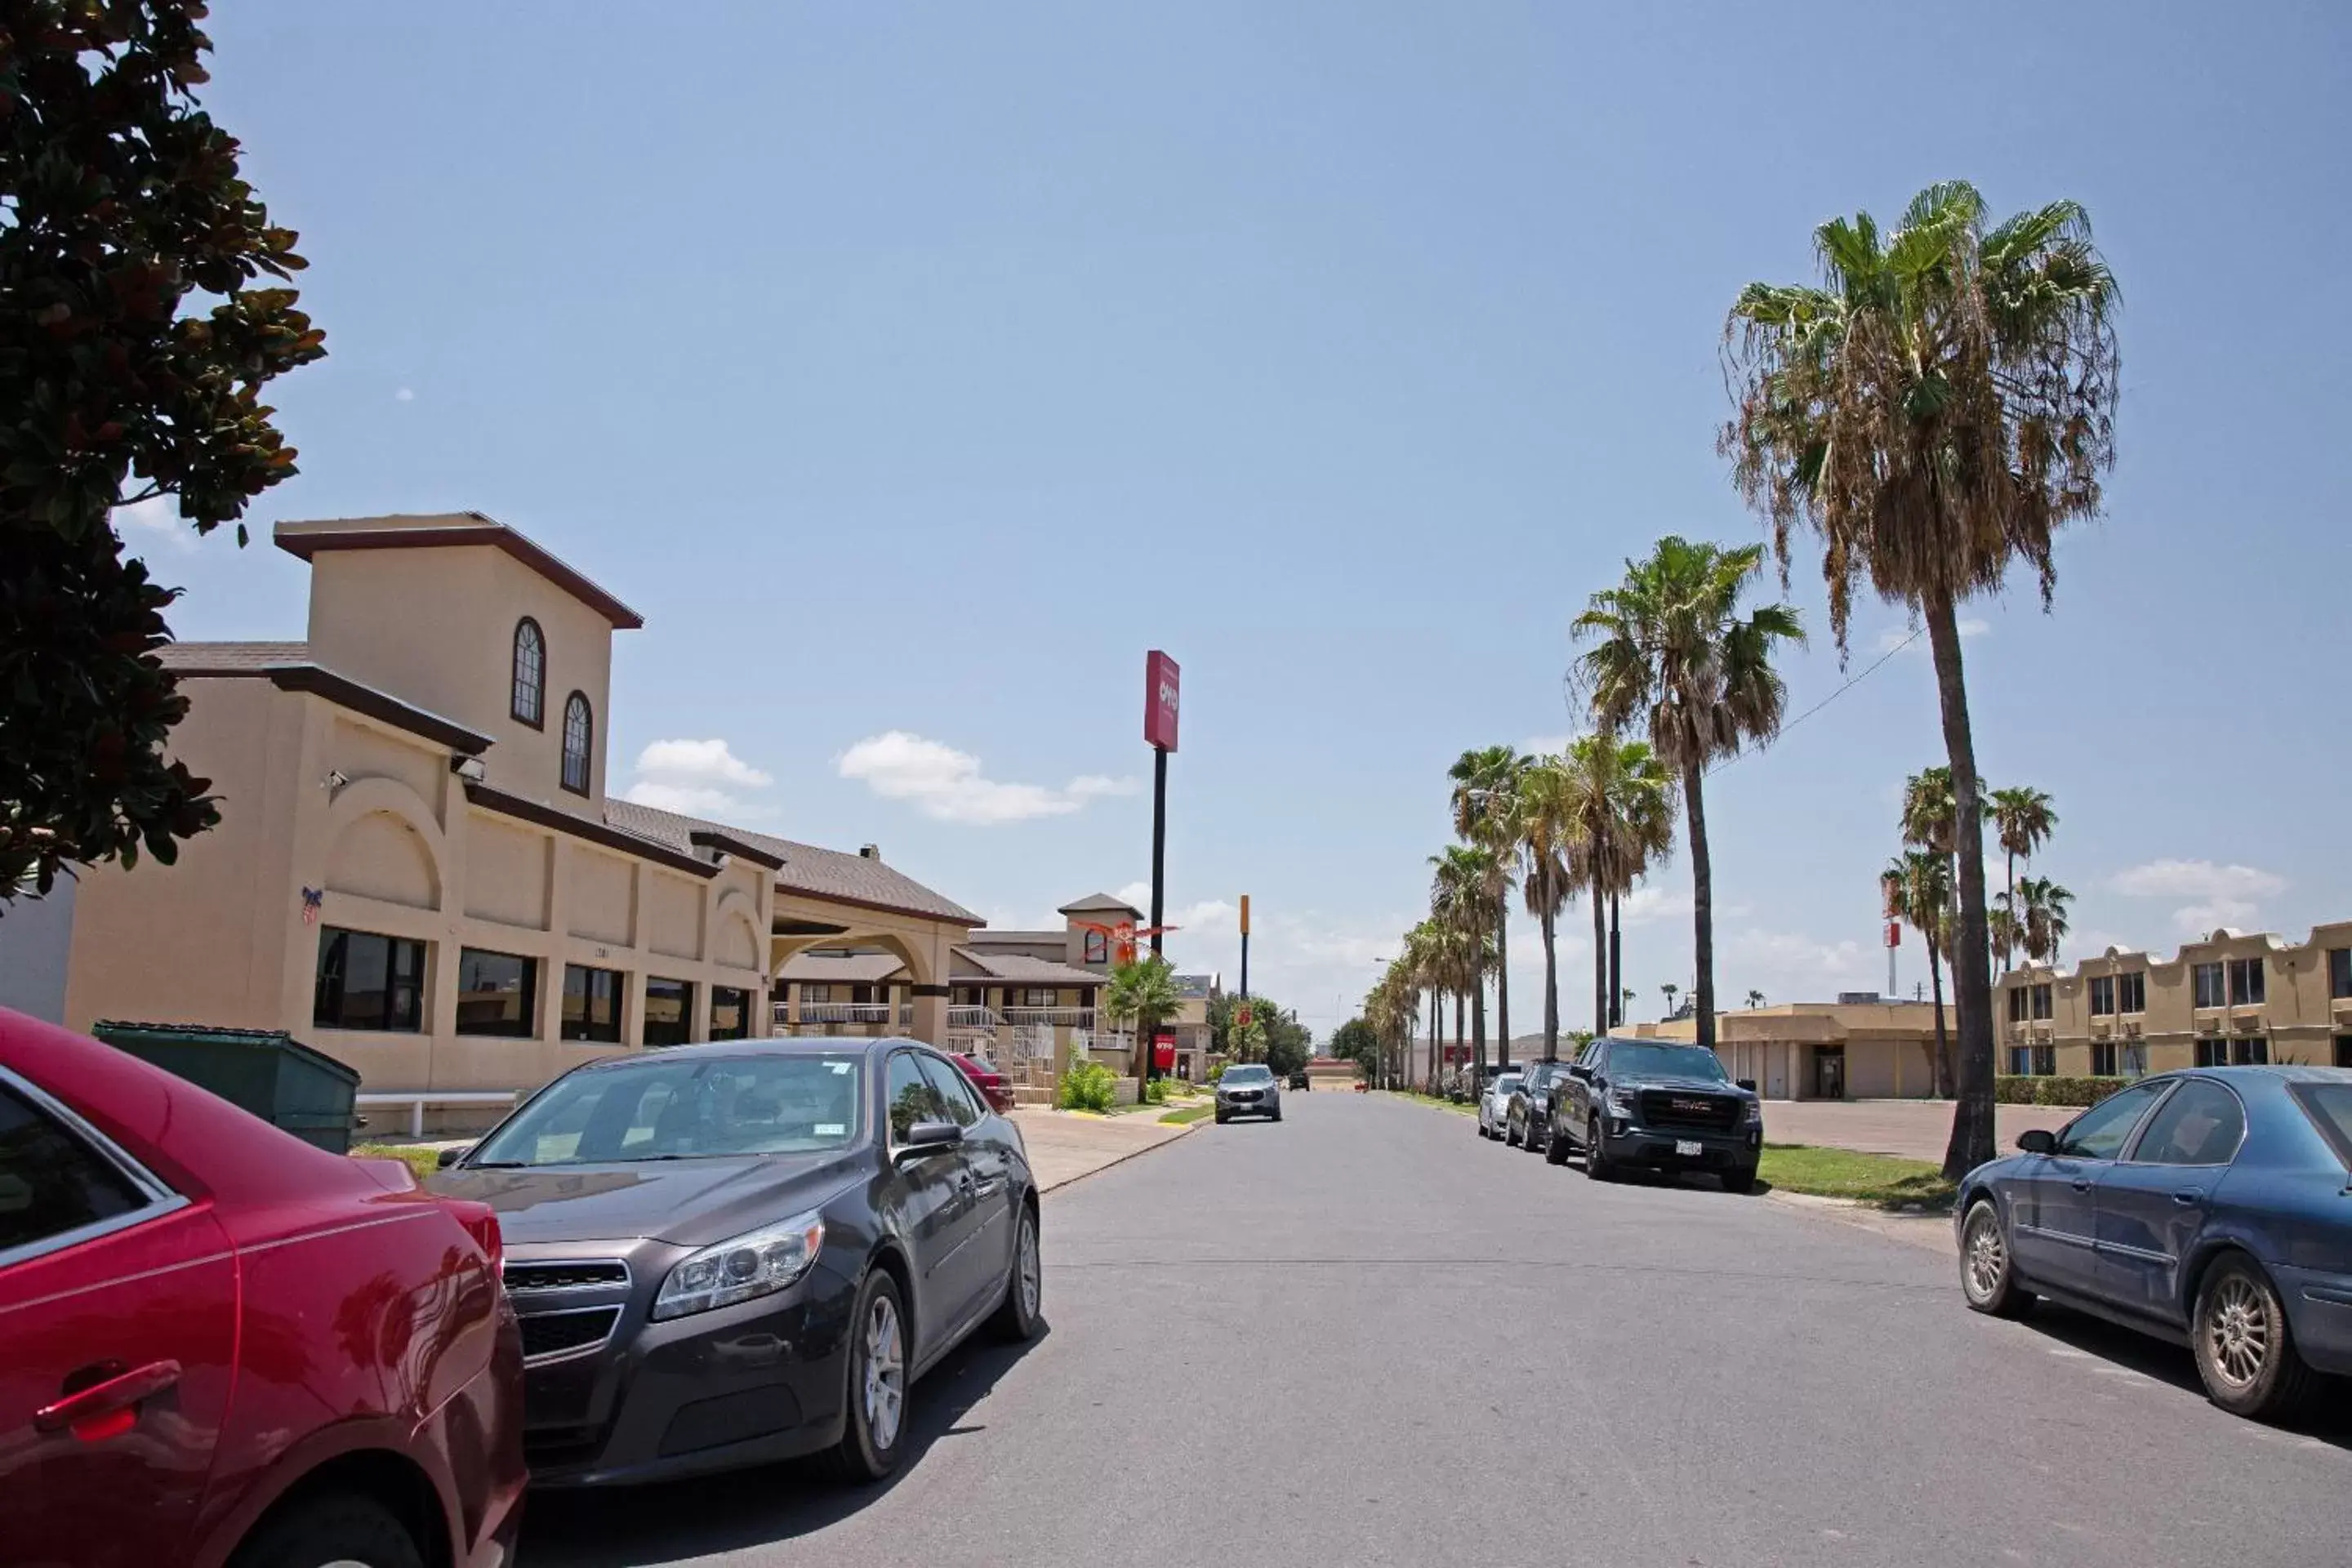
[1656,1103]
[1248,1090]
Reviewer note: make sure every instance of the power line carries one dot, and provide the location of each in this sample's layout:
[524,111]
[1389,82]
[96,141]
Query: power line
[1916,633]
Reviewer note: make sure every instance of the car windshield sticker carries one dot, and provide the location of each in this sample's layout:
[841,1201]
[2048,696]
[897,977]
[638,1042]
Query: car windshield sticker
[831,1129]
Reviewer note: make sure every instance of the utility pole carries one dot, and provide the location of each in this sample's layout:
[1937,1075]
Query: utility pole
[1244,945]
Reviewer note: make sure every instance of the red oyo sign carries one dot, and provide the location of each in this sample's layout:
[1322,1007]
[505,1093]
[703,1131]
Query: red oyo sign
[1163,1053]
[1159,693]
[1894,933]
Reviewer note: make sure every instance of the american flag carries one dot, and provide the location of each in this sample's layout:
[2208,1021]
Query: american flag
[313,900]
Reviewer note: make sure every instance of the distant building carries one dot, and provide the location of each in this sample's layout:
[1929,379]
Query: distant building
[2230,998]
[1848,1049]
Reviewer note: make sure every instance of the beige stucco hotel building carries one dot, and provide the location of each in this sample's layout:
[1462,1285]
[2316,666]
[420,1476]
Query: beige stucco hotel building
[419,870]
[2229,999]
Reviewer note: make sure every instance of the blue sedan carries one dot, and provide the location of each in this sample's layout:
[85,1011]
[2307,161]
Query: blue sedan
[2212,1208]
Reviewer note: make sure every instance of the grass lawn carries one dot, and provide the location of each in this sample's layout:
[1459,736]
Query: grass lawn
[1878,1179]
[422,1161]
[1468,1108]
[1189,1113]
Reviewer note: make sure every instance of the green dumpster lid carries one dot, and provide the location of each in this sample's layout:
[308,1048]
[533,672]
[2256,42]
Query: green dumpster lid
[122,1034]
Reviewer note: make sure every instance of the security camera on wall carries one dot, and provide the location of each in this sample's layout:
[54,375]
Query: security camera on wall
[470,769]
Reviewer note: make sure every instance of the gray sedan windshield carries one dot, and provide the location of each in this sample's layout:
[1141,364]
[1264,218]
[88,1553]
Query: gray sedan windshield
[682,1108]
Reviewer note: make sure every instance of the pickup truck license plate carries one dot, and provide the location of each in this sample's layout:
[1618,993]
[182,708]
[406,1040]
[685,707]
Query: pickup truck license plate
[1688,1149]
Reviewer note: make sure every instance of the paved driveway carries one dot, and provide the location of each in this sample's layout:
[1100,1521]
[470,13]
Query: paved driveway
[1915,1129]
[1363,1337]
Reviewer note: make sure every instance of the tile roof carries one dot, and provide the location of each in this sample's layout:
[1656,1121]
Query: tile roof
[819,873]
[998,937]
[1019,968]
[854,969]
[412,530]
[1093,902]
[230,658]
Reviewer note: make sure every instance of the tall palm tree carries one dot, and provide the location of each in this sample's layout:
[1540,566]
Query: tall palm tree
[1143,992]
[1543,812]
[1936,410]
[2006,931]
[1755,998]
[1669,988]
[1621,816]
[2044,916]
[1460,898]
[1672,650]
[1484,782]
[2023,821]
[1919,887]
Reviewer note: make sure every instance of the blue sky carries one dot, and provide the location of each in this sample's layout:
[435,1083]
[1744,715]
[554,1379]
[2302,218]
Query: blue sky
[915,368]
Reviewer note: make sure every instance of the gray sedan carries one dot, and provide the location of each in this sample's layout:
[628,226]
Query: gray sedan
[1249,1088]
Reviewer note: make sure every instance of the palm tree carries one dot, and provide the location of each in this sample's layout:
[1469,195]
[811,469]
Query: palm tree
[1462,895]
[1669,988]
[2022,824]
[1918,888]
[1484,782]
[1755,998]
[1933,411]
[1672,649]
[1143,990]
[1543,812]
[2002,926]
[1621,814]
[2045,917]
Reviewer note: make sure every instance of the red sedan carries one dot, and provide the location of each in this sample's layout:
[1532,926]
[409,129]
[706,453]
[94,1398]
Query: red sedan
[222,1340]
[990,1083]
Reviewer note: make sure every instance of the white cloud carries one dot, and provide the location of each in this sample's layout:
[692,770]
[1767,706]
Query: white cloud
[155,522]
[1649,903]
[1793,956]
[1903,637]
[696,778]
[947,784]
[2217,895]
[403,395]
[1202,917]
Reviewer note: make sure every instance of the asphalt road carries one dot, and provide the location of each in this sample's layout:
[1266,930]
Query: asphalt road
[1363,1336]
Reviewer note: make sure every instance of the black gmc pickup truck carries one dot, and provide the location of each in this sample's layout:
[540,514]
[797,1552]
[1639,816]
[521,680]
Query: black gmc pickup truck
[1660,1104]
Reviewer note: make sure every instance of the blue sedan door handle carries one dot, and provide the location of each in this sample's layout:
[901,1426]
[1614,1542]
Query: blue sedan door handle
[2082,1185]
[2189,1197]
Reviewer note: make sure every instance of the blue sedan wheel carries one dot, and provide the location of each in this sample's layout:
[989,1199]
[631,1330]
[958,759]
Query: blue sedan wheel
[2244,1352]
[1987,1275]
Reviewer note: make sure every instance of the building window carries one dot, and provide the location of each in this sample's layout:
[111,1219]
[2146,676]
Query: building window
[2032,1061]
[2040,1002]
[578,727]
[2344,1051]
[730,1012]
[2045,1061]
[1035,998]
[496,993]
[2205,983]
[2339,972]
[2249,1051]
[2131,991]
[2245,981]
[529,703]
[2103,1058]
[965,997]
[669,1011]
[815,994]
[2018,1004]
[592,1004]
[368,981]
[1097,948]
[2103,996]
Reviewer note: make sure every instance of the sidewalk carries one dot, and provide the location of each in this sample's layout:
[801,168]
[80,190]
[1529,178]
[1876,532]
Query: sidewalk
[1912,1128]
[1065,1146]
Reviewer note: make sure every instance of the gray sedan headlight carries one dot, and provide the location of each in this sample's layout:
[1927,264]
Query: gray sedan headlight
[756,1263]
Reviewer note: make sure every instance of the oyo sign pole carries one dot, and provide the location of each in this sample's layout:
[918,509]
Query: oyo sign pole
[1160,692]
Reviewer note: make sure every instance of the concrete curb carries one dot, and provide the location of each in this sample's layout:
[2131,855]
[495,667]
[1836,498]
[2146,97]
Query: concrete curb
[1182,1128]
[1930,1231]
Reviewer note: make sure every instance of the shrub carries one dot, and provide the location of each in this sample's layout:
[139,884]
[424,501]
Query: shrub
[1088,1085]
[1156,1092]
[2049,1090]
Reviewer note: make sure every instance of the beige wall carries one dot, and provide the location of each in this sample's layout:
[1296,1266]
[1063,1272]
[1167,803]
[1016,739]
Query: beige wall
[220,939]
[2297,1019]
[435,626]
[1888,1048]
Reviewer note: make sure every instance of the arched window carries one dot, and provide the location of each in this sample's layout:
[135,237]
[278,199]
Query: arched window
[530,700]
[578,725]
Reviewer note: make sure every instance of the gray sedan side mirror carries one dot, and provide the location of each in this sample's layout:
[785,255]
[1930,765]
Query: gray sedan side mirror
[927,1137]
[2037,1140]
[449,1157]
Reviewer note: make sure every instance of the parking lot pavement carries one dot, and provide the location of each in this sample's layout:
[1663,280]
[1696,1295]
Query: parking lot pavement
[1064,1146]
[1914,1129]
